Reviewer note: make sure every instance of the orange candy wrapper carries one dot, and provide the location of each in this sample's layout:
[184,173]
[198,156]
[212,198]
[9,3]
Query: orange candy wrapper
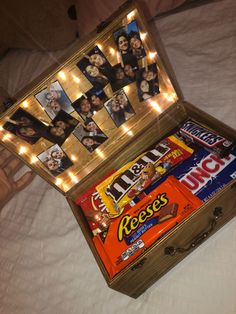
[139,227]
[120,188]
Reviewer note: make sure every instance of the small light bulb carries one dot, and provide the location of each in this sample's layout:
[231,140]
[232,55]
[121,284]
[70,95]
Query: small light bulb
[25,104]
[34,159]
[126,130]
[112,51]
[155,106]
[65,187]
[22,150]
[73,157]
[126,89]
[143,36]
[7,137]
[58,181]
[152,55]
[100,153]
[99,46]
[130,15]
[75,78]
[73,177]
[62,75]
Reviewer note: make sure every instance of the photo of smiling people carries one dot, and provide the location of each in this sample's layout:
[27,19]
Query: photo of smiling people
[55,160]
[25,126]
[119,108]
[147,82]
[83,107]
[129,44]
[96,98]
[90,135]
[61,127]
[96,68]
[54,99]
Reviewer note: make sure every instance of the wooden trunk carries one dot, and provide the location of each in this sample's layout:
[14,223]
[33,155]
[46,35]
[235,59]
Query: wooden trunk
[160,116]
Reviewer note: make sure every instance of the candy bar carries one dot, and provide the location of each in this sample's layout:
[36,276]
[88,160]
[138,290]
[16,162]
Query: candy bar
[168,212]
[139,227]
[191,131]
[94,209]
[121,188]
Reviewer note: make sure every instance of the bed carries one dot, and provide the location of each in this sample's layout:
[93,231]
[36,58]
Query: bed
[45,263]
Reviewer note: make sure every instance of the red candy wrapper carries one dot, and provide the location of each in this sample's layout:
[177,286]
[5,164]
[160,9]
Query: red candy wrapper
[94,209]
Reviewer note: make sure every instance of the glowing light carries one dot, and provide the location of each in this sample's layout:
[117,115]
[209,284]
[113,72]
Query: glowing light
[126,130]
[25,104]
[58,181]
[100,153]
[73,157]
[75,78]
[126,89]
[155,106]
[1,128]
[65,187]
[143,36]
[62,75]
[79,95]
[22,150]
[73,177]
[34,159]
[169,97]
[99,46]
[7,137]
[112,51]
[152,55]
[131,15]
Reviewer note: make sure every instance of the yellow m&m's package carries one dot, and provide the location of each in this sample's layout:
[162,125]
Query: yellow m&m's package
[119,189]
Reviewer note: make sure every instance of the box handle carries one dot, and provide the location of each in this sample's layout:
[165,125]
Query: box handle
[171,250]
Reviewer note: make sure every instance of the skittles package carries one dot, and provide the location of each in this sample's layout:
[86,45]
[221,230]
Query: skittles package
[140,226]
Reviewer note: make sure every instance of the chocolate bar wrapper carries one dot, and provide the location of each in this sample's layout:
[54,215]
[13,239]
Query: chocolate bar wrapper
[139,227]
[94,209]
[124,185]
[192,131]
[204,174]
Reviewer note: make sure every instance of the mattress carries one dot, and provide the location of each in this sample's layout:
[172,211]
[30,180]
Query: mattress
[46,265]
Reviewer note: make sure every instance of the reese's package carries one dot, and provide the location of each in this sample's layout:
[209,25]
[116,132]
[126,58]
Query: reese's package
[125,184]
[139,227]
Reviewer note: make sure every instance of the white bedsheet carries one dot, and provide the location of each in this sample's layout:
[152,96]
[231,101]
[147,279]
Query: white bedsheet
[45,263]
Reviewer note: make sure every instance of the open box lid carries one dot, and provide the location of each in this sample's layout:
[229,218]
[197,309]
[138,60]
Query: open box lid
[68,148]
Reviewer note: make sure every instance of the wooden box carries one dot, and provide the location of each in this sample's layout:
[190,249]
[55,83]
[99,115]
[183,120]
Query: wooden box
[154,118]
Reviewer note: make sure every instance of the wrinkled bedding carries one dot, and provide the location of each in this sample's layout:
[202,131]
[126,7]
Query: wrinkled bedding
[45,264]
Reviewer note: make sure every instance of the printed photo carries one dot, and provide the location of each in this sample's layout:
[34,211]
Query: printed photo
[97,98]
[54,100]
[129,44]
[55,160]
[83,106]
[61,127]
[25,126]
[122,76]
[96,68]
[90,135]
[147,82]
[119,108]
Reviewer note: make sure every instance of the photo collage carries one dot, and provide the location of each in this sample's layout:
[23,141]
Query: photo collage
[99,72]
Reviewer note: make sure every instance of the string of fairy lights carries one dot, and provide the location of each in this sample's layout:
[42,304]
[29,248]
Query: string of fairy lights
[24,150]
